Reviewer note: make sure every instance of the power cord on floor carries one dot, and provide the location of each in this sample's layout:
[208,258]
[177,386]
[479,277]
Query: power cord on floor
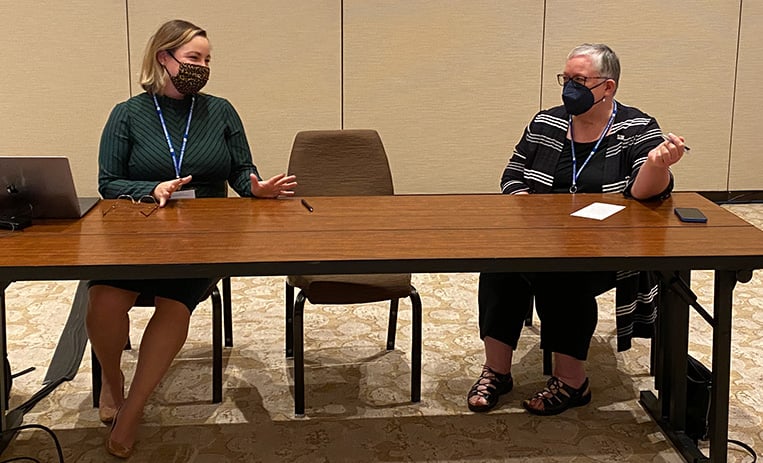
[36,426]
[741,444]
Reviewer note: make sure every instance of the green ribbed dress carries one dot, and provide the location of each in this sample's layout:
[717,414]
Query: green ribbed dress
[134,157]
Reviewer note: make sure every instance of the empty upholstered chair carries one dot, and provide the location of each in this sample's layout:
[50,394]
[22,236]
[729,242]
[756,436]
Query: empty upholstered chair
[221,314]
[345,163]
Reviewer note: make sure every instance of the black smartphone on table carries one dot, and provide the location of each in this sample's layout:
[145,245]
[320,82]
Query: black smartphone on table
[690,214]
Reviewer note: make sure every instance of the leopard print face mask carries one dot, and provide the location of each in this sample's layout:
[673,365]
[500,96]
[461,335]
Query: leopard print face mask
[190,77]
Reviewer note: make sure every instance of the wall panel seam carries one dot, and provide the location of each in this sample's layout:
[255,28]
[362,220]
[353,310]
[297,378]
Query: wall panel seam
[129,48]
[542,55]
[734,97]
[341,64]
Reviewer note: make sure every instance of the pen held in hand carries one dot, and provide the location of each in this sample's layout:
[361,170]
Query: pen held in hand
[667,138]
[307,205]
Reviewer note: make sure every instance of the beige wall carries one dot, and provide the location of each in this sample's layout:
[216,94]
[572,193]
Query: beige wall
[64,66]
[746,168]
[677,65]
[449,84]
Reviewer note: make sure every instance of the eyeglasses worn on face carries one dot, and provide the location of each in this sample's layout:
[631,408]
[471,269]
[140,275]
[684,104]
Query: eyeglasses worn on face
[563,79]
[146,199]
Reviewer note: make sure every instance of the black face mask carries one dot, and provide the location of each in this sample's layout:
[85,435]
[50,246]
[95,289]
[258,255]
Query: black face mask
[190,77]
[578,98]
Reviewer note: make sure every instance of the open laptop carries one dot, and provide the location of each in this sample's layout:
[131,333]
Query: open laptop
[42,186]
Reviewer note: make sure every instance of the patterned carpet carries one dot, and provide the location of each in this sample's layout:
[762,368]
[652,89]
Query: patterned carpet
[358,394]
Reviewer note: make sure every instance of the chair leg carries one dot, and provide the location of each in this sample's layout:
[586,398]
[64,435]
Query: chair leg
[392,328]
[95,367]
[547,366]
[547,358]
[217,347]
[289,332]
[227,312]
[529,318]
[416,346]
[299,356]
[654,350]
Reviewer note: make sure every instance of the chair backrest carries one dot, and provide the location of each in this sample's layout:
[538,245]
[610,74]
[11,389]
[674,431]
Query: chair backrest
[340,163]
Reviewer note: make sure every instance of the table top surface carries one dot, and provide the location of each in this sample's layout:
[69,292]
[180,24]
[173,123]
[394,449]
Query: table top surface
[364,234]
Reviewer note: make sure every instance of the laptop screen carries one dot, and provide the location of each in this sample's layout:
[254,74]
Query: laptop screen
[43,185]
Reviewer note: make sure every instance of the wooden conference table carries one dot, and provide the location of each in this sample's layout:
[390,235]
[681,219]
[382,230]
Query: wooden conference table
[417,234]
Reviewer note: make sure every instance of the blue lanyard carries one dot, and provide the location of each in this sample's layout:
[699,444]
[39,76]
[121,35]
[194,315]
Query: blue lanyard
[576,173]
[177,161]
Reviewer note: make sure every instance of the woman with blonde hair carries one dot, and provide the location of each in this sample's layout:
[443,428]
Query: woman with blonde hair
[170,141]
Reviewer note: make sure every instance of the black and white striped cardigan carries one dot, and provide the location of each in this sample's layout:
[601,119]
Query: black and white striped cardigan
[531,169]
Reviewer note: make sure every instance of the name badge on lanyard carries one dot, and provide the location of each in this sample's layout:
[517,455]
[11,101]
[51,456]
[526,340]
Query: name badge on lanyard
[575,172]
[183,194]
[177,160]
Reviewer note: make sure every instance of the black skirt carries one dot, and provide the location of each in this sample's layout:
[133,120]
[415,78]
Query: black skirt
[188,291]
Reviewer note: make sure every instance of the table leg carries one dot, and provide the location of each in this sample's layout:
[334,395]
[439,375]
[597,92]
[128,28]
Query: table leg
[669,409]
[676,356]
[13,419]
[725,281]
[3,357]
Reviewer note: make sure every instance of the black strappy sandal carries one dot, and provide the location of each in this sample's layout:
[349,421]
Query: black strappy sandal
[558,397]
[490,386]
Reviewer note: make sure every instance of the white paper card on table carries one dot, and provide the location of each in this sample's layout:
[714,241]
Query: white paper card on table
[598,211]
[183,194]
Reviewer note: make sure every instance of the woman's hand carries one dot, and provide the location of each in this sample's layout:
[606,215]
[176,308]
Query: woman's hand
[280,185]
[163,191]
[654,176]
[667,153]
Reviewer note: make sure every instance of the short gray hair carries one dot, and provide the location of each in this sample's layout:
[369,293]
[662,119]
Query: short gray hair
[604,59]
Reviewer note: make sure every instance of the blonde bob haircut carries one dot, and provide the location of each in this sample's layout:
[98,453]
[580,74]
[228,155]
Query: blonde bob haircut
[170,36]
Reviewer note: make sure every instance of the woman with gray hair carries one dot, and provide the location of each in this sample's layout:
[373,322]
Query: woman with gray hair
[590,144]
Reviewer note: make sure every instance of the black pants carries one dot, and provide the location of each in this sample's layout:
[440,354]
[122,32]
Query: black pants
[565,302]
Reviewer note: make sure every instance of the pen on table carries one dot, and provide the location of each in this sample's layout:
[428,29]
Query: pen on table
[307,205]
[667,138]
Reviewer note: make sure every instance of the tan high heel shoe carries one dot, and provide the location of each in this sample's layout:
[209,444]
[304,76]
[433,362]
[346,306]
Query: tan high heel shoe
[107,413]
[115,448]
